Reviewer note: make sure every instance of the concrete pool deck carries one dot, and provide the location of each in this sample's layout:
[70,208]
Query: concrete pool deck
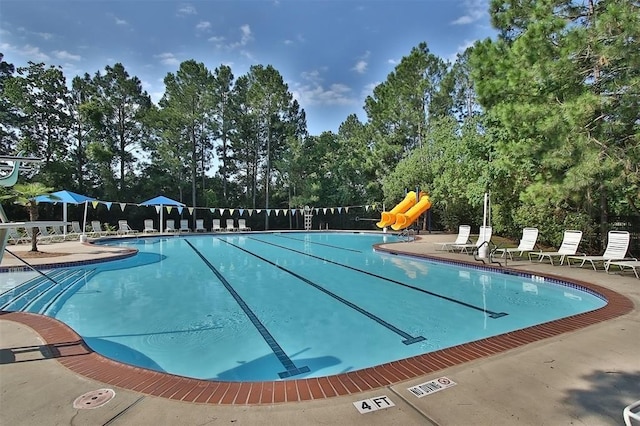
[586,376]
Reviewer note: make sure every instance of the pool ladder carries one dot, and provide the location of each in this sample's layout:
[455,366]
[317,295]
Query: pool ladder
[492,251]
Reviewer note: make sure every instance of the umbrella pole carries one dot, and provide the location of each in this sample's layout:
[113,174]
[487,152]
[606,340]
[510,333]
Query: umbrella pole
[64,219]
[84,222]
[160,224]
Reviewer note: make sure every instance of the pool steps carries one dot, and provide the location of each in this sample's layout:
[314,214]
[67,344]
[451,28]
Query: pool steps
[44,296]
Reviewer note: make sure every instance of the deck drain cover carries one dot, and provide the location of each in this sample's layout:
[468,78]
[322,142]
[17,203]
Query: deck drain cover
[94,399]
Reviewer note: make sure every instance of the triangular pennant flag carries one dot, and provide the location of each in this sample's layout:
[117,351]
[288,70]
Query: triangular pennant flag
[285,211]
[157,209]
[95,204]
[316,210]
[366,208]
[293,212]
[346,209]
[169,209]
[250,212]
[241,212]
[277,212]
[190,210]
[221,211]
[231,211]
[122,206]
[180,209]
[339,210]
[332,210]
[324,210]
[259,211]
[268,212]
[108,204]
[212,210]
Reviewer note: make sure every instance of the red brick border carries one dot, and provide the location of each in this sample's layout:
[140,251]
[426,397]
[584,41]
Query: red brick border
[70,350]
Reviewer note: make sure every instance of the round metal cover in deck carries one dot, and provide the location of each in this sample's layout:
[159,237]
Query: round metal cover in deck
[94,399]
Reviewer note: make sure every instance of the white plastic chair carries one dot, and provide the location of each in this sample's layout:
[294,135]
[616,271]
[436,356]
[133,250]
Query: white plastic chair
[215,227]
[125,229]
[184,225]
[171,226]
[148,227]
[242,225]
[463,238]
[617,248]
[569,246]
[484,236]
[200,225]
[527,244]
[230,226]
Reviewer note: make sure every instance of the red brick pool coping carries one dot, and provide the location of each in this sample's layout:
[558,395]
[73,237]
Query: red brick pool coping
[68,348]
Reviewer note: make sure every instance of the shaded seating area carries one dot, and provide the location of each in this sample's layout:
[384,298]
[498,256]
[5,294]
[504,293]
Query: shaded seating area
[527,244]
[464,231]
[617,249]
[569,246]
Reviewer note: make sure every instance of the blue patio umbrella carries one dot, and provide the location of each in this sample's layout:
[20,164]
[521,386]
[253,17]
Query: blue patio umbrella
[162,201]
[66,197]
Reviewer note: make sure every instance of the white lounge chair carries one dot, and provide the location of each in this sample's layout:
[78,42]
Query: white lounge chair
[634,265]
[230,226]
[215,227]
[171,226]
[463,238]
[125,229]
[617,248]
[568,247]
[200,225]
[484,236]
[527,244]
[15,237]
[48,237]
[148,227]
[242,225]
[184,225]
[76,231]
[96,229]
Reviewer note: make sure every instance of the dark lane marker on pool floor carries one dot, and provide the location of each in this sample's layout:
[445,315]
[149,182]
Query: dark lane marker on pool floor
[284,359]
[408,339]
[492,314]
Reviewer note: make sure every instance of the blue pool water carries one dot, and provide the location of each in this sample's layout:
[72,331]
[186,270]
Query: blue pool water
[270,306]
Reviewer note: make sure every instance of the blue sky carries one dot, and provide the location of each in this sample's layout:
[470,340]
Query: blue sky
[331,53]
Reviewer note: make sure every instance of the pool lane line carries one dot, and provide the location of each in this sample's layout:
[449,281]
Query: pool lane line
[492,314]
[408,339]
[284,359]
[319,244]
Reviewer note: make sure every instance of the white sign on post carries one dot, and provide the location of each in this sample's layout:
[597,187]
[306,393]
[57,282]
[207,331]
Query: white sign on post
[373,404]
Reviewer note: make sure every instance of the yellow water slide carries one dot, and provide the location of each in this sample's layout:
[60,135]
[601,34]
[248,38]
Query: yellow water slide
[403,220]
[389,218]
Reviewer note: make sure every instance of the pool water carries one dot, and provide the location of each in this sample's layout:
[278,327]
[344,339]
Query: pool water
[271,306]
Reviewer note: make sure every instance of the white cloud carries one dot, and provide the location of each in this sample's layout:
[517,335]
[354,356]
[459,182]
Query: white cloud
[203,26]
[120,21]
[33,53]
[246,34]
[474,11]
[313,92]
[187,9]
[64,55]
[45,36]
[167,58]
[360,67]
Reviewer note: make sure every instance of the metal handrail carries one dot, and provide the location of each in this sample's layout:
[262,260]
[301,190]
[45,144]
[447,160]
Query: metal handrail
[30,266]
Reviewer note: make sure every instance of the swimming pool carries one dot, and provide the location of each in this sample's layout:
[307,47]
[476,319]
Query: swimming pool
[271,306]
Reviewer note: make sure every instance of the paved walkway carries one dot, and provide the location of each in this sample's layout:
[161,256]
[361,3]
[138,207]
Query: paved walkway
[585,377]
